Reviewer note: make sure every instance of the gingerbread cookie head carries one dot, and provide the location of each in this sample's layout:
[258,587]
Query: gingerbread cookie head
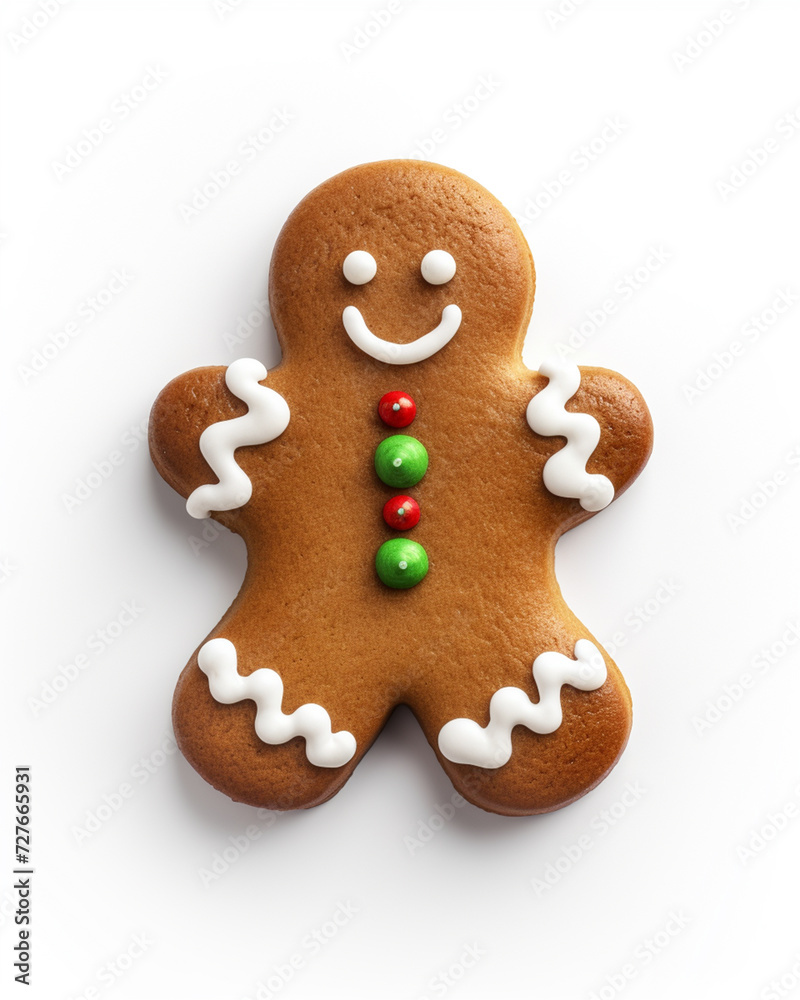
[395,259]
[400,481]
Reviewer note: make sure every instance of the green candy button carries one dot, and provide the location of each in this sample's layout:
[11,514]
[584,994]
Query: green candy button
[401,461]
[401,563]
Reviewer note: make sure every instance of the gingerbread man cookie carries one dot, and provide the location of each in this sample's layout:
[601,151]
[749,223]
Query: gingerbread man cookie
[400,481]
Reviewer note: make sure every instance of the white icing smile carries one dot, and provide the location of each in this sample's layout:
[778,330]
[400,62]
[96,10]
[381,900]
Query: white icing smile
[401,354]
[438,267]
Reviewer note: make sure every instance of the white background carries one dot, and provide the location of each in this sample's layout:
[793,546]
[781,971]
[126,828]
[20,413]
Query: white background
[693,104]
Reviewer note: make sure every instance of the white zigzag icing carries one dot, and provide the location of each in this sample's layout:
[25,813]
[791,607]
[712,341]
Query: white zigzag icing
[565,472]
[217,659]
[267,417]
[465,742]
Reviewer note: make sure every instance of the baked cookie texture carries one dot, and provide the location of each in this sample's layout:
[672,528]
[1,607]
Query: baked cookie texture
[312,610]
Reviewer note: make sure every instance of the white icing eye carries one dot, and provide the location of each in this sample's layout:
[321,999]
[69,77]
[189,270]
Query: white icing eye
[359,267]
[438,267]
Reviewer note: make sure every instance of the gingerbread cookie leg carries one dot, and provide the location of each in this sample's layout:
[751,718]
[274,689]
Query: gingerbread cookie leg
[534,739]
[249,730]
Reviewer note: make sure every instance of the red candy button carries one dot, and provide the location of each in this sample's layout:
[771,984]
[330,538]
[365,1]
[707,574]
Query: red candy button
[397,409]
[401,513]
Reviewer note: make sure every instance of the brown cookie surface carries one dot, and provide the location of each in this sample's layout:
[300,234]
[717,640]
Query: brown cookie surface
[312,608]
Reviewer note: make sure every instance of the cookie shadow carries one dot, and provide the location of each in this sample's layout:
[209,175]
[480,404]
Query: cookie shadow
[403,738]
[206,540]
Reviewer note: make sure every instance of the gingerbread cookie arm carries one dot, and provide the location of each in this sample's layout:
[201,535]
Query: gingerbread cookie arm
[626,427]
[606,427]
[200,420]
